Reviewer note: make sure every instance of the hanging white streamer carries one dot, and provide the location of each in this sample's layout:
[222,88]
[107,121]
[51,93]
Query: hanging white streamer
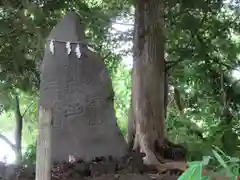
[78,52]
[68,46]
[51,46]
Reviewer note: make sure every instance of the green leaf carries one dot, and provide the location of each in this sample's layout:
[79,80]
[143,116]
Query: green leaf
[222,162]
[193,173]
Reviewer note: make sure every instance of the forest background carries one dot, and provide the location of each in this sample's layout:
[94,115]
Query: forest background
[202,55]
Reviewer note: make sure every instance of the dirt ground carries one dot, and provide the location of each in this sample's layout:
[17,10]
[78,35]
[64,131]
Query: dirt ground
[128,168]
[133,177]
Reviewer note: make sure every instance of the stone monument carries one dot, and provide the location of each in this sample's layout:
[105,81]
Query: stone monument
[76,86]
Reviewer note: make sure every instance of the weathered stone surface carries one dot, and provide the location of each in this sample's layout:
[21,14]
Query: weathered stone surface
[79,91]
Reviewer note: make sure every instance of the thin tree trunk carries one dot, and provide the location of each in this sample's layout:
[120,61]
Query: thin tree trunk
[131,131]
[148,91]
[17,147]
[18,133]
[43,165]
[165,93]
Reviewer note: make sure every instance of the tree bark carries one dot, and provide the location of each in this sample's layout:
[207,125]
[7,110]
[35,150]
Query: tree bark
[148,93]
[18,133]
[165,93]
[43,165]
[149,76]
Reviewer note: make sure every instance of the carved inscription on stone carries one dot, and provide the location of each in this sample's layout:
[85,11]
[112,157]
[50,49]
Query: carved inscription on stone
[71,88]
[94,119]
[87,81]
[49,85]
[73,109]
[57,105]
[95,102]
[95,122]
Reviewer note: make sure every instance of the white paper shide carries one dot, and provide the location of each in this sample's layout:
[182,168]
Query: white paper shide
[68,47]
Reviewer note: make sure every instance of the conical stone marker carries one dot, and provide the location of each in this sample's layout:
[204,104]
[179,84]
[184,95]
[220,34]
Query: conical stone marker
[78,89]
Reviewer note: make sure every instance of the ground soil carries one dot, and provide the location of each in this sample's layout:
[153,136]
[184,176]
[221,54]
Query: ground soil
[128,168]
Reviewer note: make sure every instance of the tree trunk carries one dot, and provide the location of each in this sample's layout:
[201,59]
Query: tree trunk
[43,165]
[18,133]
[148,93]
[17,147]
[148,87]
[165,93]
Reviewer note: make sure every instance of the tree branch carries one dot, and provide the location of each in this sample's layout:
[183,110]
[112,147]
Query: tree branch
[6,140]
[171,64]
[27,109]
[107,55]
[124,24]
[194,35]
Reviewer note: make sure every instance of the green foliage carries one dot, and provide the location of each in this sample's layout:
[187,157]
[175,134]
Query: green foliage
[29,157]
[194,172]
[28,108]
[122,88]
[224,166]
